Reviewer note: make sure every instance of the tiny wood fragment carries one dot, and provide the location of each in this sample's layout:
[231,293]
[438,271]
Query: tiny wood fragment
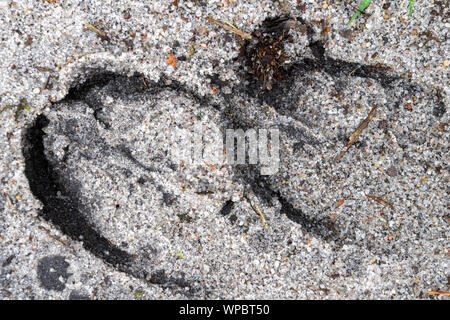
[93,28]
[230,28]
[258,211]
[144,82]
[439,292]
[339,203]
[379,200]
[262,216]
[47,83]
[44,69]
[354,137]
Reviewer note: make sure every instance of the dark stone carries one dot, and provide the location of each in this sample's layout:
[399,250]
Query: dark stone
[49,271]
[439,109]
[168,198]
[141,180]
[8,261]
[347,33]
[159,277]
[233,218]
[75,295]
[226,208]
[392,171]
[126,15]
[129,43]
[318,49]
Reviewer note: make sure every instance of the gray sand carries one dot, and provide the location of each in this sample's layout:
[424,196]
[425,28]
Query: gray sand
[93,206]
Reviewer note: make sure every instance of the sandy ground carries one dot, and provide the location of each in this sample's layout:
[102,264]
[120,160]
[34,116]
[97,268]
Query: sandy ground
[93,204]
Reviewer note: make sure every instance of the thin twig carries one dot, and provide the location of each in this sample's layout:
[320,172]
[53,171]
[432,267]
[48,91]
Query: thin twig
[258,211]
[354,137]
[262,216]
[379,200]
[144,82]
[47,83]
[93,28]
[44,69]
[354,70]
[398,12]
[439,292]
[230,28]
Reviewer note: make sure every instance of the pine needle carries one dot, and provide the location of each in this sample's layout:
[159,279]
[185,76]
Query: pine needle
[400,8]
[231,28]
[262,216]
[379,200]
[354,137]
[258,211]
[93,28]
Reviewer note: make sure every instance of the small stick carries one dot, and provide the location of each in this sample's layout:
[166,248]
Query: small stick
[99,23]
[258,211]
[354,70]
[230,24]
[379,200]
[398,12]
[439,292]
[47,83]
[93,28]
[44,69]
[262,216]
[356,134]
[230,28]
[144,82]
[339,203]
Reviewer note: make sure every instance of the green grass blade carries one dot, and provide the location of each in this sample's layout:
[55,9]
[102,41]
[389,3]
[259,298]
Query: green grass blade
[364,4]
[410,7]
